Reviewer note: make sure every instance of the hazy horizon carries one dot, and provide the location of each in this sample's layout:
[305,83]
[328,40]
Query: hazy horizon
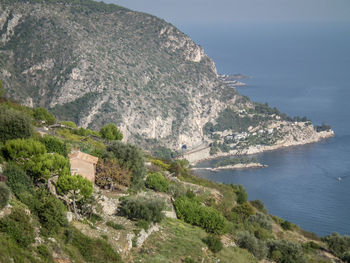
[194,12]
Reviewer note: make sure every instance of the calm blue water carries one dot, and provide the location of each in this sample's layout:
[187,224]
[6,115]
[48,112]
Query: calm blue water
[302,70]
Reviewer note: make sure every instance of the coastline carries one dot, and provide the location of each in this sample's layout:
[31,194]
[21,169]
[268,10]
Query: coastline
[203,154]
[232,167]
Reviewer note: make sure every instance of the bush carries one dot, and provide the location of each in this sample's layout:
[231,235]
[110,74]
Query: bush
[21,150]
[192,212]
[50,211]
[214,243]
[17,226]
[157,182]
[92,250]
[115,225]
[176,189]
[283,251]
[55,145]
[111,132]
[241,193]
[252,244]
[137,208]
[142,224]
[17,179]
[346,256]
[179,167]
[261,220]
[45,253]
[14,124]
[86,132]
[286,225]
[41,114]
[241,212]
[69,124]
[110,173]
[161,164]
[131,158]
[258,204]
[337,244]
[4,195]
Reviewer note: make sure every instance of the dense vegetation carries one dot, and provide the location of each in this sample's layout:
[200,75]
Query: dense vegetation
[41,191]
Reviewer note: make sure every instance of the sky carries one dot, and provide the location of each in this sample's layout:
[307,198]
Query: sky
[201,12]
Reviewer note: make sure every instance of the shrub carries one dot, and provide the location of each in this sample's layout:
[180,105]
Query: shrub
[283,251]
[214,243]
[111,132]
[189,260]
[258,204]
[45,253]
[115,225]
[286,225]
[157,182]
[55,145]
[17,179]
[241,193]
[14,124]
[69,124]
[346,256]
[129,157]
[110,173]
[50,211]
[21,150]
[86,132]
[92,250]
[337,244]
[142,224]
[241,212]
[41,114]
[192,212]
[148,209]
[176,189]
[262,220]
[252,244]
[4,195]
[179,167]
[161,164]
[17,226]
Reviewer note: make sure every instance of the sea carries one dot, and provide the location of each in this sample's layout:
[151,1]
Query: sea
[303,70]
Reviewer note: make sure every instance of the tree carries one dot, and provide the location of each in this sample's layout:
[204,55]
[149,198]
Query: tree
[47,165]
[76,187]
[41,114]
[129,157]
[111,132]
[14,124]
[109,173]
[21,150]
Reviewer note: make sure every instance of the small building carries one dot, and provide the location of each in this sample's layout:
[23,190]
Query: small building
[83,164]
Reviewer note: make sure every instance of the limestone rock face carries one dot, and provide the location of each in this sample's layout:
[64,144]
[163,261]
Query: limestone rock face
[94,64]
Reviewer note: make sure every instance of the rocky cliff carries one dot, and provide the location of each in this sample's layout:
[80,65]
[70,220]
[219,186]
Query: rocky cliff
[94,63]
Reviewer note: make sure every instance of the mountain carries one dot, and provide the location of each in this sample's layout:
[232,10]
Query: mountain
[94,64]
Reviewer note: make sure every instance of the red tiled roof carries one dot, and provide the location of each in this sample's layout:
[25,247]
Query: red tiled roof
[83,156]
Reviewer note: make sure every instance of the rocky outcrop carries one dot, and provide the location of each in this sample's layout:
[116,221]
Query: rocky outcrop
[94,64]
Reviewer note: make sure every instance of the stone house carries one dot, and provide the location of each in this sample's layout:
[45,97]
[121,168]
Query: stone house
[83,164]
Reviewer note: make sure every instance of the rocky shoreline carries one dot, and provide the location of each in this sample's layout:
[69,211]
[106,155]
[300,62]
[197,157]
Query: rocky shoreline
[204,155]
[232,167]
